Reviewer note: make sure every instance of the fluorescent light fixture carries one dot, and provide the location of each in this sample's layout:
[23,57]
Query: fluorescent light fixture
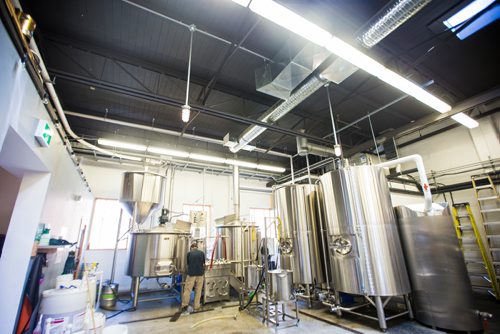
[271,168]
[467,13]
[289,20]
[299,25]
[405,85]
[186,112]
[119,144]
[128,157]
[465,120]
[241,163]
[209,158]
[168,152]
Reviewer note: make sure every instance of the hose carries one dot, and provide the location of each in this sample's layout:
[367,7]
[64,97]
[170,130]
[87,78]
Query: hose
[241,308]
[235,316]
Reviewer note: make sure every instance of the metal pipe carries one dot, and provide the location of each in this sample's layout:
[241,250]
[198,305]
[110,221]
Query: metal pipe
[373,112]
[191,28]
[331,114]
[198,30]
[291,170]
[417,159]
[60,112]
[112,277]
[168,132]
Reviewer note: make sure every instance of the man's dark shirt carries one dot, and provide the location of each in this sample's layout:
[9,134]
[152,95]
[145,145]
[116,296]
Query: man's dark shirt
[196,262]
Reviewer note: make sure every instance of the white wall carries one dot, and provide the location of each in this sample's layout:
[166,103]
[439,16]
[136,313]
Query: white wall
[47,179]
[8,194]
[189,188]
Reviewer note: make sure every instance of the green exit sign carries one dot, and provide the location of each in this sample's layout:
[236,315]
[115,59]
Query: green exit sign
[43,133]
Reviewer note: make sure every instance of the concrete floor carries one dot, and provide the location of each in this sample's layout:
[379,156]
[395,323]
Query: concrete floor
[154,317]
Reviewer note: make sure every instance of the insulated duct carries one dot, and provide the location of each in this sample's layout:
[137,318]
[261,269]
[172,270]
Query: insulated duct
[394,15]
[271,116]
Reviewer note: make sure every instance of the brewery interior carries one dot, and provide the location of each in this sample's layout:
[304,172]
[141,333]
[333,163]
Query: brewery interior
[336,161]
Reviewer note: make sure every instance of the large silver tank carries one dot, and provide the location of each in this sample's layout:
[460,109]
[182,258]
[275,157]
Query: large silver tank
[239,243]
[157,252]
[299,234]
[441,289]
[364,246]
[142,193]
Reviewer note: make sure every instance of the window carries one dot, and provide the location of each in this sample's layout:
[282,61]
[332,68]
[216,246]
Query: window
[473,17]
[261,217]
[104,225]
[200,213]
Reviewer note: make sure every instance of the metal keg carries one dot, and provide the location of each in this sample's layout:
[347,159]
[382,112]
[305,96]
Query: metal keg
[281,285]
[254,272]
[109,295]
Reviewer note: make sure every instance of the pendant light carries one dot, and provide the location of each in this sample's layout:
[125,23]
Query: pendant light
[186,109]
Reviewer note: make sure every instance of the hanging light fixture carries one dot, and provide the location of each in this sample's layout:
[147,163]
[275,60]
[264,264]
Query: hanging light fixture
[186,109]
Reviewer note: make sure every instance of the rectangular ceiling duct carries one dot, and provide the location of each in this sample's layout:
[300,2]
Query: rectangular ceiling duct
[288,69]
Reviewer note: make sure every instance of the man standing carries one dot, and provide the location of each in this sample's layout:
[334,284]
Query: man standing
[196,269]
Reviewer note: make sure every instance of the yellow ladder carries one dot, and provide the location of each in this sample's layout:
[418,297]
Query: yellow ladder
[489,206]
[476,253]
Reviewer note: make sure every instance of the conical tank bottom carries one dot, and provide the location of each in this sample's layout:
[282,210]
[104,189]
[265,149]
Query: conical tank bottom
[142,194]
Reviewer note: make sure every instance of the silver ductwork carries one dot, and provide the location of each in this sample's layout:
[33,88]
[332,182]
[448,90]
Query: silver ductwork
[304,148]
[272,115]
[395,14]
[288,69]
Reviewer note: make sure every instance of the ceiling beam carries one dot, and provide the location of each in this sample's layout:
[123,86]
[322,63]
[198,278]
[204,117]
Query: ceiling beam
[463,106]
[131,92]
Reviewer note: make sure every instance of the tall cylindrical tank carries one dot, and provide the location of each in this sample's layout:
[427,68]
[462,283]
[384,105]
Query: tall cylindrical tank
[364,246]
[239,242]
[441,289]
[157,252]
[299,234]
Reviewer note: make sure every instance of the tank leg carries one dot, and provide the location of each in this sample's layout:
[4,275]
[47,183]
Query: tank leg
[134,289]
[408,306]
[338,302]
[380,313]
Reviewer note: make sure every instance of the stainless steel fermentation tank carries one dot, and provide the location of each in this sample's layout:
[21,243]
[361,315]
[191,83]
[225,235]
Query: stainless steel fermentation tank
[441,289]
[153,252]
[239,244]
[299,236]
[364,246]
[157,252]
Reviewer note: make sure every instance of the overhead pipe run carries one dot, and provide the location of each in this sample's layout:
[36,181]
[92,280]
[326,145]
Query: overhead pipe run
[394,15]
[417,159]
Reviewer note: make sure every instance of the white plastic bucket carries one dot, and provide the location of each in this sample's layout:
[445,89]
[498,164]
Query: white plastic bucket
[63,280]
[63,309]
[99,320]
[115,329]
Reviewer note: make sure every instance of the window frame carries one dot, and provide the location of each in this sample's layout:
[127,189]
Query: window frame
[91,225]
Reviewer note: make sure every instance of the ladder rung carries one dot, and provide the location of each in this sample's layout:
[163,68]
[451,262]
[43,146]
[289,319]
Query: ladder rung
[496,263]
[492,236]
[481,287]
[495,249]
[474,262]
[490,210]
[463,216]
[486,186]
[492,223]
[486,198]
